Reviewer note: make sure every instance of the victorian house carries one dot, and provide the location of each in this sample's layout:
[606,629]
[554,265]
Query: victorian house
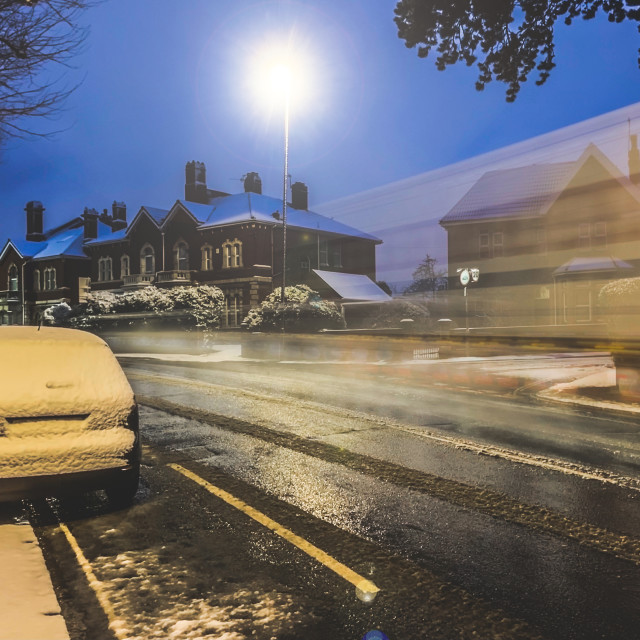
[234,242]
[545,238]
[50,266]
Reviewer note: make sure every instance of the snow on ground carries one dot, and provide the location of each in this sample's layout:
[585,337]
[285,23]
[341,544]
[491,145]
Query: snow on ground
[28,606]
[135,580]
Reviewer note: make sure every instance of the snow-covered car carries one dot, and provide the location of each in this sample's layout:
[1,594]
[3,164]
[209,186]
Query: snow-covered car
[68,416]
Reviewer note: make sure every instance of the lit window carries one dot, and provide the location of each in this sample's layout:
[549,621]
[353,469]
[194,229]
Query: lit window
[50,279]
[207,259]
[232,253]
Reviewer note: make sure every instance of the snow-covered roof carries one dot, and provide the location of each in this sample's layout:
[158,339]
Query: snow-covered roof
[353,286]
[248,207]
[592,264]
[528,191]
[25,248]
[157,214]
[519,192]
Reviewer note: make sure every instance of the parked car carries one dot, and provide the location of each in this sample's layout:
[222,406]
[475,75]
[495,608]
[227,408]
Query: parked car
[68,416]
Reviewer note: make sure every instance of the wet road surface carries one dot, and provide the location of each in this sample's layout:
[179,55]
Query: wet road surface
[463,541]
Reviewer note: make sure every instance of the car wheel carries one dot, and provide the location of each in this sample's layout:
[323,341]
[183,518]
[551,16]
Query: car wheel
[121,493]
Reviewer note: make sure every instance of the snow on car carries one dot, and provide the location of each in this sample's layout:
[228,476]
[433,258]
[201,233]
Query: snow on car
[68,416]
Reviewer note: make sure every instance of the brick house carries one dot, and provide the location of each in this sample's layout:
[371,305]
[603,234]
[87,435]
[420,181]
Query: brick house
[50,266]
[232,241]
[545,238]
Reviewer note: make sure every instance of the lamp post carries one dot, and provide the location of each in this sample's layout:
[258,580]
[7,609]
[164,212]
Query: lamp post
[281,80]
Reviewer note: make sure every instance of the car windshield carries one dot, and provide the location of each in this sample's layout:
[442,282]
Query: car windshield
[320,319]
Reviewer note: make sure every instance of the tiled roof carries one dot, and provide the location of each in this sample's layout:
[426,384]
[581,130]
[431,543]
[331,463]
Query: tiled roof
[353,286]
[520,192]
[247,207]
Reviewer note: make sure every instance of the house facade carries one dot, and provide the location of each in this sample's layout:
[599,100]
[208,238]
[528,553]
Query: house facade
[232,241]
[545,239]
[50,266]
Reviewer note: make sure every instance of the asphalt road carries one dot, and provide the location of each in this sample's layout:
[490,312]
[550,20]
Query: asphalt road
[308,482]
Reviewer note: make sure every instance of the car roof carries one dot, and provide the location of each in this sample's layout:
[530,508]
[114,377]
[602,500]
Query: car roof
[34,334]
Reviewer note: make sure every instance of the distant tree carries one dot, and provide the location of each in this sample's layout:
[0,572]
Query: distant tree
[35,37]
[507,38]
[427,278]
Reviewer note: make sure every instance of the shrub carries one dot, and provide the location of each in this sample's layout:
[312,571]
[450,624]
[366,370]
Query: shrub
[303,311]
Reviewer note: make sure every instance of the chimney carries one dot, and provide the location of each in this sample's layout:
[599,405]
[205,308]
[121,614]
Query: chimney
[252,183]
[195,185]
[118,216]
[90,217]
[34,211]
[634,159]
[299,196]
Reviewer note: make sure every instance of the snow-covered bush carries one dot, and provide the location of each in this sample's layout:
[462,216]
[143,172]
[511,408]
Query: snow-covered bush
[619,305]
[204,303]
[56,314]
[303,311]
[390,315]
[202,306]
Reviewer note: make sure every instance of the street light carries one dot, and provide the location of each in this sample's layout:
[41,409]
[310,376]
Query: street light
[281,85]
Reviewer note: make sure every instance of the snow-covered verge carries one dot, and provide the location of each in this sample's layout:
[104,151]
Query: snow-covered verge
[28,606]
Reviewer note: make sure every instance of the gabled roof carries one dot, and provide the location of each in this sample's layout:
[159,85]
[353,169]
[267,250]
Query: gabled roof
[527,191]
[353,286]
[251,207]
[24,248]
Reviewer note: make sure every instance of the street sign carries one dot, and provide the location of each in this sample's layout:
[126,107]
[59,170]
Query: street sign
[464,277]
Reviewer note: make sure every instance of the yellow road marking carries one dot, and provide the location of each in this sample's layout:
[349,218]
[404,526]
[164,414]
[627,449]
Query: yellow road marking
[114,624]
[364,586]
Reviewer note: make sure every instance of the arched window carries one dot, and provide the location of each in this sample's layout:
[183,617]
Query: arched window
[50,279]
[13,278]
[207,258]
[181,256]
[125,266]
[36,280]
[232,254]
[105,269]
[147,259]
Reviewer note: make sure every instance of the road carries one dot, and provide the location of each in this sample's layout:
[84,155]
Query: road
[272,493]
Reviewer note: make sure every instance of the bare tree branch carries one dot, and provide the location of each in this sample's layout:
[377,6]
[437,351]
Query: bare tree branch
[37,37]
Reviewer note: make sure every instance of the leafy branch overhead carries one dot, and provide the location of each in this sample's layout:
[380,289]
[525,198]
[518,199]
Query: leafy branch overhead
[506,39]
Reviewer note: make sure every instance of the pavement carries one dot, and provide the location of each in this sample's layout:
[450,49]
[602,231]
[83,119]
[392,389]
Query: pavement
[28,606]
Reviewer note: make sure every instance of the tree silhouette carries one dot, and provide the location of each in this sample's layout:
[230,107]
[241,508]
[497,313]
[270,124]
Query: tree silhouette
[427,278]
[507,38]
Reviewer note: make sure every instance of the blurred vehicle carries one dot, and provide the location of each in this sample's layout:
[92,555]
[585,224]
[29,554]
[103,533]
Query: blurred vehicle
[68,416]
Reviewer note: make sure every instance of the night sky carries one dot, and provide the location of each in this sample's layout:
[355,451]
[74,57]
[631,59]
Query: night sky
[164,82]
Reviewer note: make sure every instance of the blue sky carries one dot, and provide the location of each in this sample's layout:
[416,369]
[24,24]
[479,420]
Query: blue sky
[165,82]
